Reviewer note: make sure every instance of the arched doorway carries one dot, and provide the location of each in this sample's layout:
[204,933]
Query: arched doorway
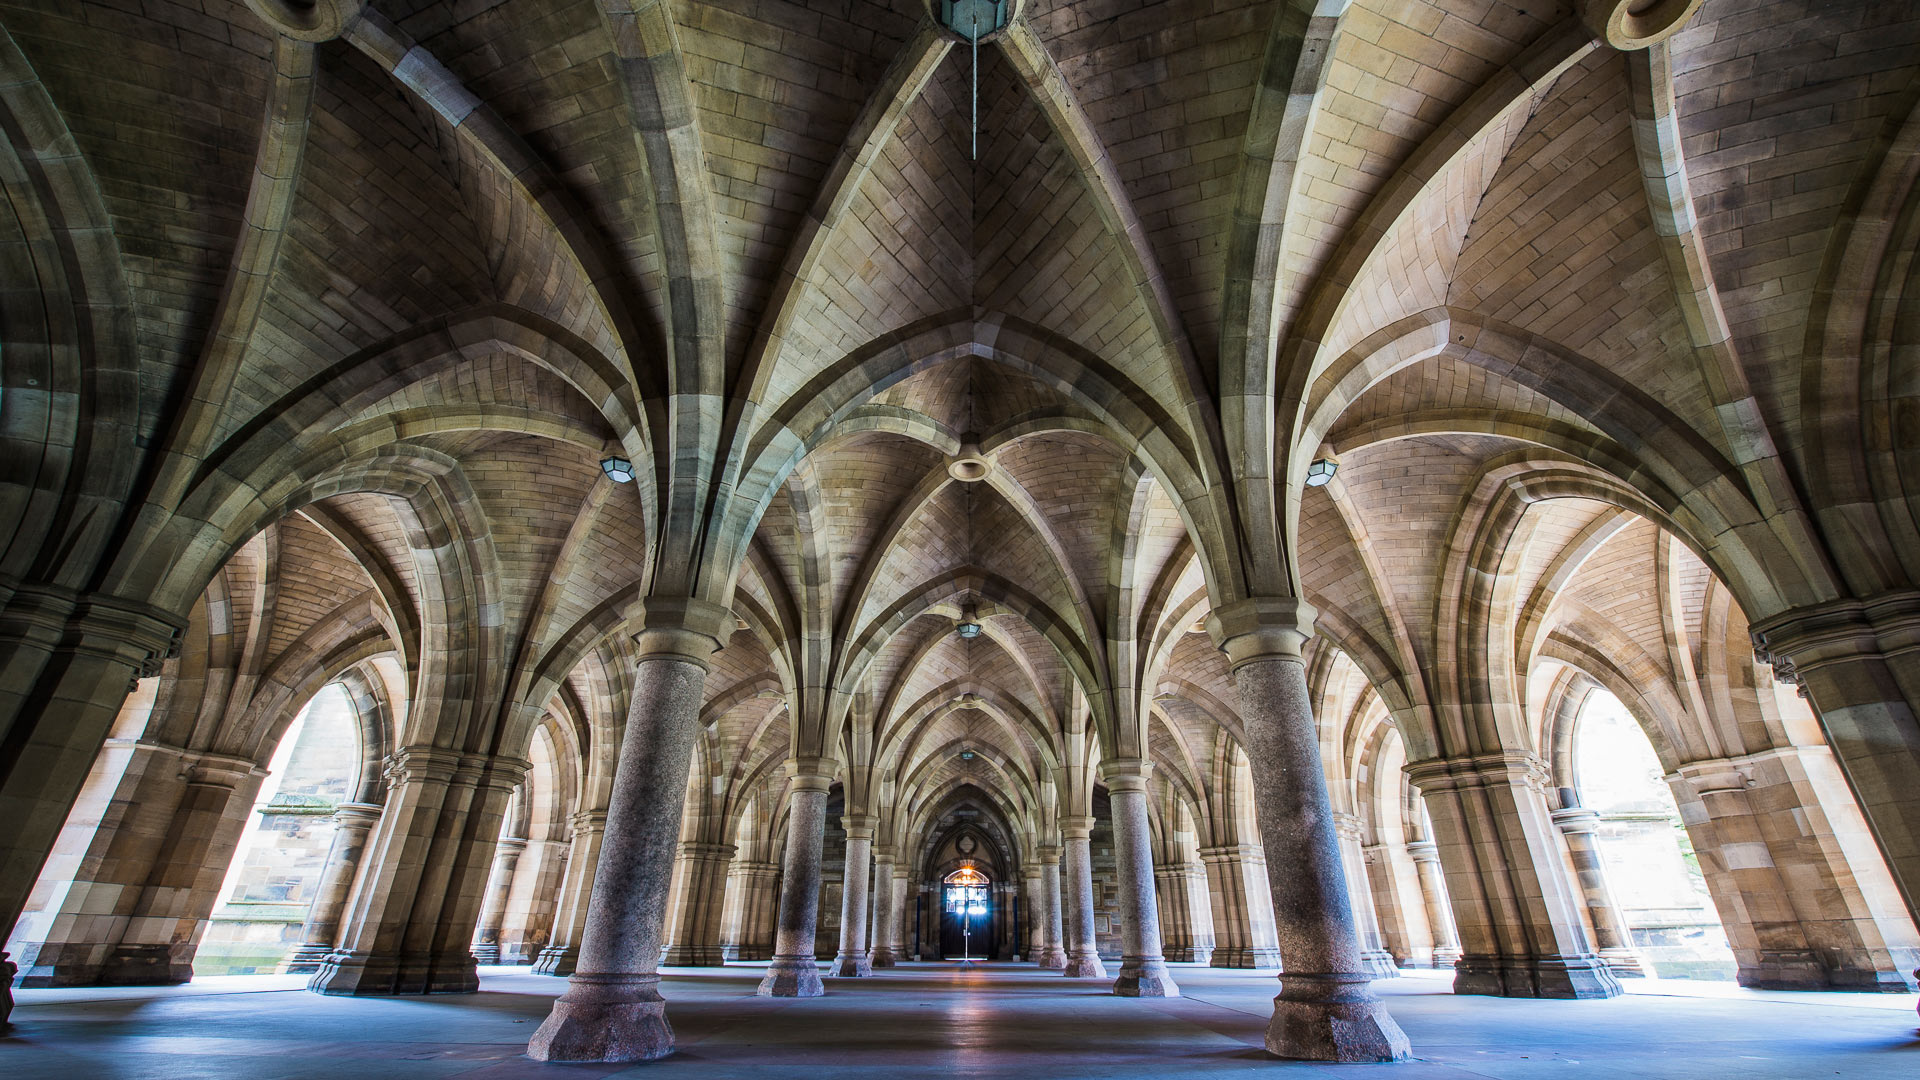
[1651,871]
[966,914]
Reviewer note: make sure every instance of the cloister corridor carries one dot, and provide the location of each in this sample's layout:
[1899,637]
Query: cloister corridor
[942,1020]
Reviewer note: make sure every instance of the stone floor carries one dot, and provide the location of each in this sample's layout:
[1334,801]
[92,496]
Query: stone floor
[939,1020]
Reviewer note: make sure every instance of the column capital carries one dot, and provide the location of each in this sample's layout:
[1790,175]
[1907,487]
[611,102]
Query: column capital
[501,773]
[92,624]
[1423,851]
[509,845]
[1228,852]
[1477,770]
[1575,820]
[349,815]
[681,628]
[1076,826]
[1049,855]
[859,826]
[811,773]
[1807,638]
[218,770]
[422,762]
[1741,772]
[1262,628]
[1126,774]
[695,849]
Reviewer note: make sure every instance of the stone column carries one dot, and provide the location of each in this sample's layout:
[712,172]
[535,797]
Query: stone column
[612,1010]
[351,823]
[493,912]
[1612,941]
[1243,923]
[1200,910]
[67,663]
[1053,952]
[562,954]
[1366,919]
[1035,899]
[1083,950]
[1433,892]
[1763,825]
[1389,902]
[1143,970]
[1325,1010]
[155,838]
[902,895]
[1517,910]
[886,910]
[693,917]
[852,961]
[1176,922]
[1856,662]
[753,935]
[528,924]
[794,972]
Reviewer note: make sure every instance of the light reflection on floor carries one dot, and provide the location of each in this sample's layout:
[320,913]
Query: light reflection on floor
[945,1020]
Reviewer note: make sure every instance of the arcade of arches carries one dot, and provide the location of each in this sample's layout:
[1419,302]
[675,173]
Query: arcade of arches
[603,484]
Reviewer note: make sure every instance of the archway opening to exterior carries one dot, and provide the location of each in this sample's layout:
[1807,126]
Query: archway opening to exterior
[966,914]
[282,854]
[1649,861]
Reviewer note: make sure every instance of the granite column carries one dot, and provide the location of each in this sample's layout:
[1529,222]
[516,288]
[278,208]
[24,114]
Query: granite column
[612,1010]
[1143,970]
[853,962]
[1053,952]
[1325,1010]
[794,972]
[1083,951]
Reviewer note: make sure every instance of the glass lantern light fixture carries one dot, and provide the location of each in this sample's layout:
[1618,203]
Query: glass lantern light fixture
[1322,470]
[618,469]
[969,625]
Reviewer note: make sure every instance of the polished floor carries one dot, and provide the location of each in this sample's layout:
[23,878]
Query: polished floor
[943,1020]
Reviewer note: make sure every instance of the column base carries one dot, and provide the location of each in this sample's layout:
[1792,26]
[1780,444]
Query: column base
[1085,965]
[1052,959]
[1333,1017]
[857,966]
[1802,969]
[486,954]
[99,964]
[605,1018]
[1145,978]
[1624,963]
[1379,964]
[1195,954]
[694,956]
[1257,959]
[1445,958]
[752,952]
[347,974]
[307,958]
[557,960]
[1579,977]
[882,958]
[791,976]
